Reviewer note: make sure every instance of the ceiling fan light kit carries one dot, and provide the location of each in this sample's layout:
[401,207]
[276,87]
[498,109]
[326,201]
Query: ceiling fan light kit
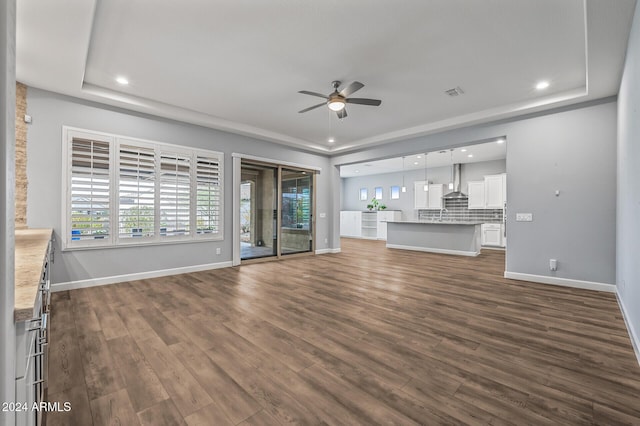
[338,100]
[336,104]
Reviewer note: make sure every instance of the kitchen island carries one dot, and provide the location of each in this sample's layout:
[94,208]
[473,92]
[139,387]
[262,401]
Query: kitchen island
[447,237]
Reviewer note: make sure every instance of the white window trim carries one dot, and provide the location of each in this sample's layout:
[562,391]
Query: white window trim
[114,241]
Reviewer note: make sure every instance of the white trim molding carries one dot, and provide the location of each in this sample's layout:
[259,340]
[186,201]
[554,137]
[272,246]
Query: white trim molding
[633,335]
[275,162]
[434,250]
[563,282]
[93,282]
[328,250]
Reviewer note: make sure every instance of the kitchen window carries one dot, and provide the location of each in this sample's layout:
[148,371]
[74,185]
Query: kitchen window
[122,191]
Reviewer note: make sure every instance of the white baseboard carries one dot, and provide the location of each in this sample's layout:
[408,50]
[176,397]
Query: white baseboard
[433,250]
[635,338]
[493,248]
[564,282]
[328,250]
[92,282]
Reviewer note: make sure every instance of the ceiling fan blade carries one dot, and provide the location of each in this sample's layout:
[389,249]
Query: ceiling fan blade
[342,113]
[364,101]
[312,107]
[320,95]
[352,88]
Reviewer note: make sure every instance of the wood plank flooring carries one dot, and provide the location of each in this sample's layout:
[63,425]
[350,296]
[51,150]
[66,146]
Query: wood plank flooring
[367,336]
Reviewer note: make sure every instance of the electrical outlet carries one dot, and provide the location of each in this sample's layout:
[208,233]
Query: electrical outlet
[218,250]
[553,265]
[524,217]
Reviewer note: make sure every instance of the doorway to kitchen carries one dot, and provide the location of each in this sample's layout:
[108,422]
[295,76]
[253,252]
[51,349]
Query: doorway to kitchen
[275,211]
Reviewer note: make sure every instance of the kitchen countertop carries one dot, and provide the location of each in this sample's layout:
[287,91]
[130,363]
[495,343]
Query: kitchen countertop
[436,222]
[31,249]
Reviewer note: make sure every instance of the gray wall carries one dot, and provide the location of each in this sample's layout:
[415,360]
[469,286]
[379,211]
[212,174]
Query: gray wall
[51,111]
[351,186]
[7,182]
[628,219]
[571,149]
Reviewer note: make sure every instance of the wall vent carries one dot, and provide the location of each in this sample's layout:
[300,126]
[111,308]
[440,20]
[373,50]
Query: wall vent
[456,91]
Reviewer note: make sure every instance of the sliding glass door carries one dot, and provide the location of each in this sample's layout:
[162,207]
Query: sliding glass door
[258,208]
[276,210]
[296,212]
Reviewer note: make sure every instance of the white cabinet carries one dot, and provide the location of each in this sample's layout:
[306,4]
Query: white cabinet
[475,191]
[371,225]
[32,340]
[492,234]
[436,191]
[494,186]
[431,199]
[351,224]
[490,193]
[384,217]
[420,196]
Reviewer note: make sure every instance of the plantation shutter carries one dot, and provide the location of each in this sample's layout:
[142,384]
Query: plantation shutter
[175,194]
[136,194]
[209,195]
[89,190]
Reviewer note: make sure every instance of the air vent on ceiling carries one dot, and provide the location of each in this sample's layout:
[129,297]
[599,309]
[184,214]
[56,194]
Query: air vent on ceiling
[456,91]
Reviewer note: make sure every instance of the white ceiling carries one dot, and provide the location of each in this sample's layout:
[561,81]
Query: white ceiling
[237,65]
[463,155]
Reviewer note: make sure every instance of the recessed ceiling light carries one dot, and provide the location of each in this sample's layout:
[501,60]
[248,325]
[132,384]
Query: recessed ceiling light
[357,171]
[331,140]
[419,156]
[415,163]
[542,85]
[470,155]
[500,141]
[122,80]
[463,150]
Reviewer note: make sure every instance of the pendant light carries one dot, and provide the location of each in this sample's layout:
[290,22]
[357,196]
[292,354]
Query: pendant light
[426,181]
[451,181]
[404,188]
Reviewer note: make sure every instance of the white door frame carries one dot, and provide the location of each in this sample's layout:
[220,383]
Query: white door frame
[237,179]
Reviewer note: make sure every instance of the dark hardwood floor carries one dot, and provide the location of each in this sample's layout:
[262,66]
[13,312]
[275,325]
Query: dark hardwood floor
[367,336]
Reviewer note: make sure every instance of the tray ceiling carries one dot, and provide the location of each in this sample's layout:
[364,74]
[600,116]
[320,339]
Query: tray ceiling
[238,65]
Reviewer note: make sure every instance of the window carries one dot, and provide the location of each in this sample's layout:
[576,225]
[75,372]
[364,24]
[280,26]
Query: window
[89,189]
[175,194]
[136,192]
[209,195]
[122,191]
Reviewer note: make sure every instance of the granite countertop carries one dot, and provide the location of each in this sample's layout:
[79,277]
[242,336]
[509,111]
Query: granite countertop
[436,222]
[31,249]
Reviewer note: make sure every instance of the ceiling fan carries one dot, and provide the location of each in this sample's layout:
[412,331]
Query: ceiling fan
[336,101]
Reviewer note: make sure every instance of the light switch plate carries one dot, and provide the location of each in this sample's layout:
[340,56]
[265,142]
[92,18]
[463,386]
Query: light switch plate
[524,217]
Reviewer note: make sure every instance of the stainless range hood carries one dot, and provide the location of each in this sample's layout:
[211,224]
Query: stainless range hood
[456,194]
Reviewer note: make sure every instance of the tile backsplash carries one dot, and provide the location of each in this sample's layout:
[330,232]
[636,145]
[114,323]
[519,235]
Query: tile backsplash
[457,210]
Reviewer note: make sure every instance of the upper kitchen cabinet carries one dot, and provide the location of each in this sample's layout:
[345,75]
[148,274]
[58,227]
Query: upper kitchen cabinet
[426,200]
[490,193]
[494,188]
[475,191]
[436,191]
[420,196]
